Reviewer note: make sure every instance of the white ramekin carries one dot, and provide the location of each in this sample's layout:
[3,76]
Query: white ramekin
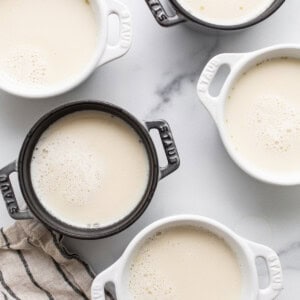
[104,52]
[238,64]
[246,252]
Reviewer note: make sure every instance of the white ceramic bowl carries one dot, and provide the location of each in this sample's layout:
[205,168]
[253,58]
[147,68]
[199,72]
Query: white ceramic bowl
[246,252]
[104,53]
[238,64]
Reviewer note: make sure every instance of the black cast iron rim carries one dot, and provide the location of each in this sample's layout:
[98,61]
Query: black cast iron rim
[38,209]
[263,16]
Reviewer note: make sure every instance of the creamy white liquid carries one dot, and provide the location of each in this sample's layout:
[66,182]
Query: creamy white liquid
[185,263]
[263,116]
[226,12]
[45,42]
[90,169]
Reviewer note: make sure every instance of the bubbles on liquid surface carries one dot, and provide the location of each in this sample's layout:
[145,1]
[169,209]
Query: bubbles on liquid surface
[77,178]
[155,286]
[89,169]
[26,65]
[275,122]
[170,262]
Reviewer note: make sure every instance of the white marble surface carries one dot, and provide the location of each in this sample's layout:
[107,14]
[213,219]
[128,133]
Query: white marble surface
[157,80]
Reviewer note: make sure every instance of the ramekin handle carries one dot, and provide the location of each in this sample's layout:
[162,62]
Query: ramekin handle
[169,146]
[161,15]
[9,196]
[207,76]
[98,285]
[274,269]
[112,52]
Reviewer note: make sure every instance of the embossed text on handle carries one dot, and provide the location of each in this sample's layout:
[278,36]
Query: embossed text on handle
[8,194]
[208,75]
[275,272]
[157,10]
[168,144]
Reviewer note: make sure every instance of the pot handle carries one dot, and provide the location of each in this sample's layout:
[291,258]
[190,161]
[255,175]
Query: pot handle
[9,195]
[169,146]
[161,15]
[207,76]
[112,52]
[98,285]
[274,270]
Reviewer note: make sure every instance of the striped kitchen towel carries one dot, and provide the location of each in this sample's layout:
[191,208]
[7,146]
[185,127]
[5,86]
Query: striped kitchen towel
[34,265]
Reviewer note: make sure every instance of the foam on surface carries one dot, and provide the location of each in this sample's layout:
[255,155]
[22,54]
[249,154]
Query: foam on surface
[262,116]
[45,43]
[90,169]
[185,263]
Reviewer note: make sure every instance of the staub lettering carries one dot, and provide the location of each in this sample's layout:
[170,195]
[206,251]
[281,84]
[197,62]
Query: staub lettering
[125,30]
[168,144]
[275,272]
[3,178]
[208,75]
[157,10]
[8,194]
[98,293]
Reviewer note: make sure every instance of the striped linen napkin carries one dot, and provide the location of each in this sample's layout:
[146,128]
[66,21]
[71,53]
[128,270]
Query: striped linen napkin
[35,266]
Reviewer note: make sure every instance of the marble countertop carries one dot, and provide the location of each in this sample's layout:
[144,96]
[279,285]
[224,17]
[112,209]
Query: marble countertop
[157,79]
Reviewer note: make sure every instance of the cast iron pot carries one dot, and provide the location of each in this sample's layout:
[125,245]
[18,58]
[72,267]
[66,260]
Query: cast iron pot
[35,208]
[182,15]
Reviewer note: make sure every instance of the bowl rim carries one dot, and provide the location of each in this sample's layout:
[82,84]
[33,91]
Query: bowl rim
[260,18]
[99,7]
[32,200]
[120,269]
[245,63]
